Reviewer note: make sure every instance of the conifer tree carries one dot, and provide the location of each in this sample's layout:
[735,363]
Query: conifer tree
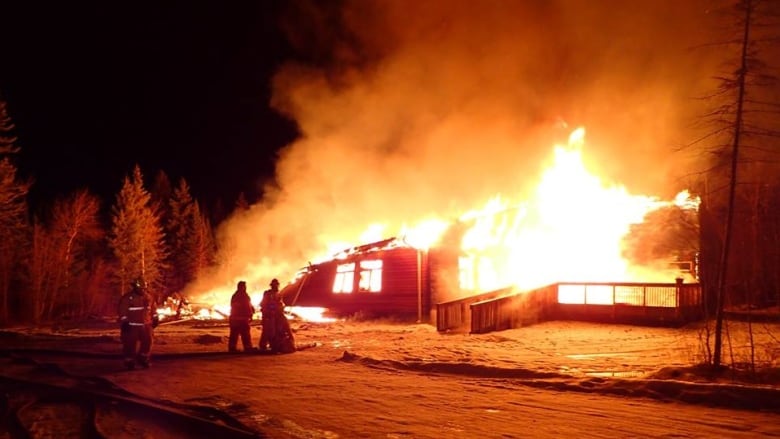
[137,238]
[203,243]
[190,237]
[180,227]
[161,193]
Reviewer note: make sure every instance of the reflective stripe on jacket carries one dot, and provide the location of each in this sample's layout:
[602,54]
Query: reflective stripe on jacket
[136,308]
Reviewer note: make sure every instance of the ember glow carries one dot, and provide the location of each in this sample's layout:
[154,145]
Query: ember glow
[310,314]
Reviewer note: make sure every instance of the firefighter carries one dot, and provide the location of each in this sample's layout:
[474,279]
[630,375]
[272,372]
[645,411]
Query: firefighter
[277,336]
[241,311]
[283,341]
[270,307]
[137,318]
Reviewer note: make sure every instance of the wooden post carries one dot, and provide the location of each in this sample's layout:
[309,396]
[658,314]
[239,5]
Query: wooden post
[677,291]
[419,286]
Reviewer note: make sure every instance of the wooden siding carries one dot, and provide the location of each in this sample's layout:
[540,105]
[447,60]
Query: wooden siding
[513,311]
[403,292]
[456,314]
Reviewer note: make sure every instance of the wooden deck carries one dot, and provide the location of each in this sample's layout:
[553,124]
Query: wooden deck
[667,304]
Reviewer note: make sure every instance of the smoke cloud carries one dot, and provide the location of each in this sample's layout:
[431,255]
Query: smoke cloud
[416,109]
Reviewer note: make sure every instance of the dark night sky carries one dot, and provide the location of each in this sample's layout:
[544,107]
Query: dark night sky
[178,86]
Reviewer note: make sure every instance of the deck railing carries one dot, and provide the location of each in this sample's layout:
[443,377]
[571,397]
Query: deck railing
[514,310]
[658,303]
[455,314]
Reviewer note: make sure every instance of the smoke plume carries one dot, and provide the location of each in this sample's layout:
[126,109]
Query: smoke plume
[417,109]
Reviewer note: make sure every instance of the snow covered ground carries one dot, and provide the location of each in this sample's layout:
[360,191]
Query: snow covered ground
[406,380]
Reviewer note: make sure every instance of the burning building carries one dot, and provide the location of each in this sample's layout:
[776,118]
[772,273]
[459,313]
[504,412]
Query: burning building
[381,278]
[448,113]
[598,245]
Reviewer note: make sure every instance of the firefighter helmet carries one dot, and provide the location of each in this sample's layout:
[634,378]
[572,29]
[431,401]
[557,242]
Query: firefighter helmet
[275,282]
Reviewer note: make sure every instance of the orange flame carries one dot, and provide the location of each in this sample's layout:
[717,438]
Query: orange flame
[570,229]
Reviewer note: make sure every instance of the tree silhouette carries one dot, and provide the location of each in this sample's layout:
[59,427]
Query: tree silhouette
[190,238]
[743,132]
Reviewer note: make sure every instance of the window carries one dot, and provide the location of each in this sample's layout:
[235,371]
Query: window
[370,276]
[345,279]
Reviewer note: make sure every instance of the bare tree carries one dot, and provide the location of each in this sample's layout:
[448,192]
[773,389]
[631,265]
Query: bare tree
[13,213]
[13,230]
[75,223]
[745,118]
[40,269]
[59,252]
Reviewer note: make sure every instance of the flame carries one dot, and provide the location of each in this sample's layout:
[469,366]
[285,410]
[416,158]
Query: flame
[310,314]
[570,229]
[425,234]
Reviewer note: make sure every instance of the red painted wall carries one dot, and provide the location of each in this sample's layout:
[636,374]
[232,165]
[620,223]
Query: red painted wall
[404,291]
